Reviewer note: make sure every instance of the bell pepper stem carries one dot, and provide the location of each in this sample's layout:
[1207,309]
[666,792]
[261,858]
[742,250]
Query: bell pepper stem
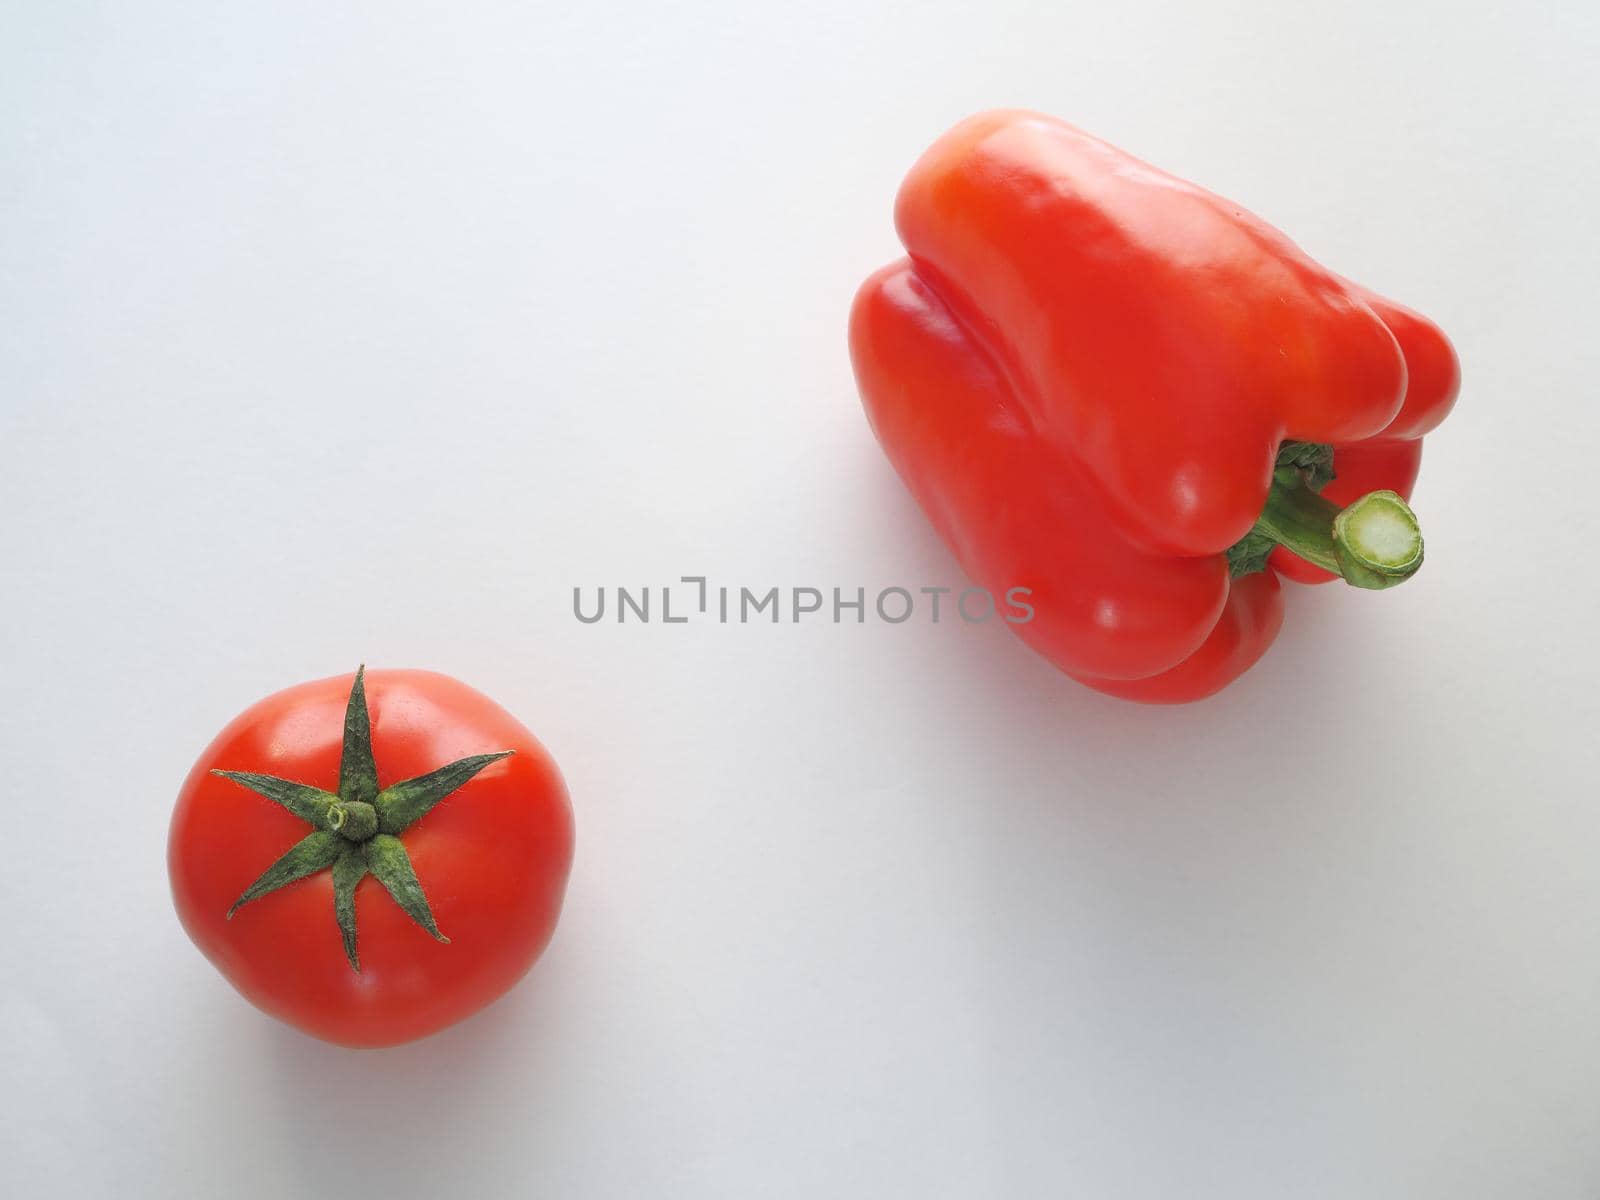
[1374,542]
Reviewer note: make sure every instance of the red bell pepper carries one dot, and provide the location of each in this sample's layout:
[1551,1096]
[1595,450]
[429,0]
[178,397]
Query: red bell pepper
[1130,395]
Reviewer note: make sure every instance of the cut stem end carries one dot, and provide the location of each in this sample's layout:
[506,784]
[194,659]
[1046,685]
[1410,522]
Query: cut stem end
[353,820]
[1375,542]
[1378,541]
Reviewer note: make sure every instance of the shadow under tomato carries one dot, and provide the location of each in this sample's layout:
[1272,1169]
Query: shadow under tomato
[444,1115]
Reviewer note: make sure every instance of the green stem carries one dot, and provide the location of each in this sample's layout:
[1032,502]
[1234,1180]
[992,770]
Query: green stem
[347,838]
[353,820]
[1374,542]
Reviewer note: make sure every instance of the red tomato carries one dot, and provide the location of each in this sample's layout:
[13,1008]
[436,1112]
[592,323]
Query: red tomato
[485,852]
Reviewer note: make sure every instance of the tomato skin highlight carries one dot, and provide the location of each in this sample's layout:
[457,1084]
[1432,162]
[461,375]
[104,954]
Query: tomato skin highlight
[493,858]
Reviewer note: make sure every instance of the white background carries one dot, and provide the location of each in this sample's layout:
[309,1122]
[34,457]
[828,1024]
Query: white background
[336,333]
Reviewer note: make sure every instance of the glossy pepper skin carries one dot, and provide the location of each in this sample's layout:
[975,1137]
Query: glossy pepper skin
[1084,371]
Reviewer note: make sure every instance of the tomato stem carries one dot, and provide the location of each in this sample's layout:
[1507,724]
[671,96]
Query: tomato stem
[361,823]
[353,820]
